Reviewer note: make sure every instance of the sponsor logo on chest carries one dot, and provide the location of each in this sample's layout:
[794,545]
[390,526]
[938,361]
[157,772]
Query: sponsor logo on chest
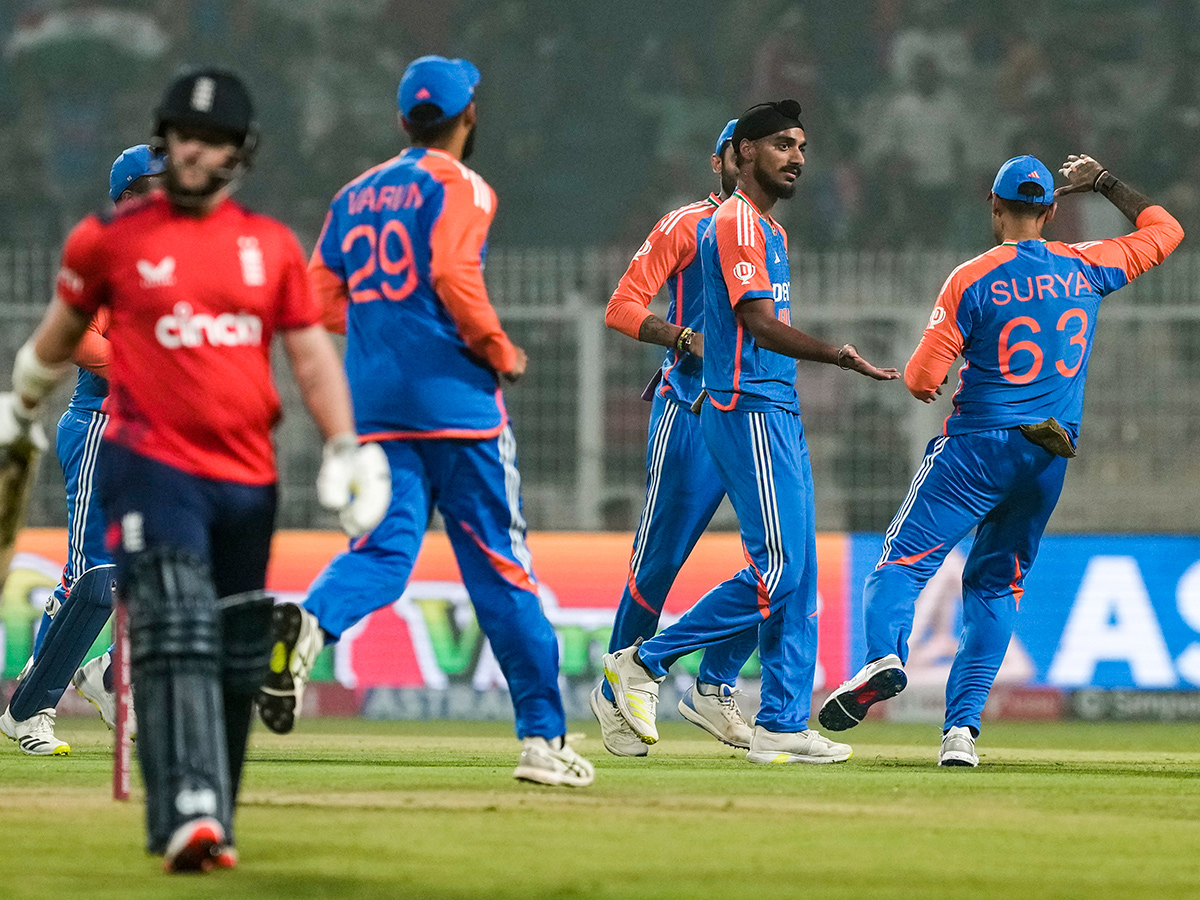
[185,328]
[161,274]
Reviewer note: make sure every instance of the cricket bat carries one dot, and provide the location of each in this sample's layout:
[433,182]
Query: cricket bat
[18,468]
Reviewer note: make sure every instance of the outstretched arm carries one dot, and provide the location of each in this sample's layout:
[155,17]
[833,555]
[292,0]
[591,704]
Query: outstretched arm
[758,317]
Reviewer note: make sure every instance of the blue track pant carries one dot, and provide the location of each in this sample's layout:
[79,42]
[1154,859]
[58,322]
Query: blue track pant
[763,462]
[1008,487]
[683,491]
[476,486]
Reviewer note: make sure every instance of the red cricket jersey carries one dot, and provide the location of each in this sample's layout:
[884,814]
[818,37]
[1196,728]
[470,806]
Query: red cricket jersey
[194,303]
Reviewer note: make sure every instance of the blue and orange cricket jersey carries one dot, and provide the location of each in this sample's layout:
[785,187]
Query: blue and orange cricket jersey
[668,256]
[744,257]
[1023,316]
[399,268]
[92,356]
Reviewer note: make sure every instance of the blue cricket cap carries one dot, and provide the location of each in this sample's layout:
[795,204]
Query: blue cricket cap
[448,84]
[131,165]
[726,137]
[1029,173]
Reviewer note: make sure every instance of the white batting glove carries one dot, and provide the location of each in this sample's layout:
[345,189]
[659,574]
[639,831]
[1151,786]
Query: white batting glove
[18,423]
[356,481]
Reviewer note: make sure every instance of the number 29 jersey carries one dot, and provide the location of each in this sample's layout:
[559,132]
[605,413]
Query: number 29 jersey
[399,268]
[1023,316]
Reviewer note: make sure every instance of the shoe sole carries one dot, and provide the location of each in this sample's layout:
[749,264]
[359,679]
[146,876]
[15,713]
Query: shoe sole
[614,681]
[845,709]
[765,758]
[199,848]
[699,721]
[277,697]
[534,775]
[64,750]
[592,702]
[958,761]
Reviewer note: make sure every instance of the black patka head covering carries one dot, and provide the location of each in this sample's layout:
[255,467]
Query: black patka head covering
[765,119]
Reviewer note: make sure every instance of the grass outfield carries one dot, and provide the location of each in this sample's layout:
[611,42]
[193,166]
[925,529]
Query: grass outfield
[429,810]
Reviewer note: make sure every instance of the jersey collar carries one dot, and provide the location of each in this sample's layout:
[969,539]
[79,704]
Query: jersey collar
[714,199]
[738,193]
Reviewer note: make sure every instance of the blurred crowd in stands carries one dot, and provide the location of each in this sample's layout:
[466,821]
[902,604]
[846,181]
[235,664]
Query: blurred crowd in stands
[597,118]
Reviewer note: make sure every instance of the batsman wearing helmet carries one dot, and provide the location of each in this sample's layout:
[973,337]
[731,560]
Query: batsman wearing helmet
[197,286]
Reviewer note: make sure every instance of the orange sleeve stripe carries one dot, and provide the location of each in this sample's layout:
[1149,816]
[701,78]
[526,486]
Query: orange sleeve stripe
[942,341]
[94,351]
[330,292]
[670,247]
[1158,234]
[741,247]
[456,244]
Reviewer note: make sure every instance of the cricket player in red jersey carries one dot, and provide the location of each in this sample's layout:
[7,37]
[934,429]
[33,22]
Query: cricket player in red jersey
[196,286]
[683,489]
[399,268]
[1023,317]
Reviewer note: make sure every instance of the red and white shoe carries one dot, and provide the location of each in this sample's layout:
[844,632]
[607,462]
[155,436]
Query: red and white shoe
[195,846]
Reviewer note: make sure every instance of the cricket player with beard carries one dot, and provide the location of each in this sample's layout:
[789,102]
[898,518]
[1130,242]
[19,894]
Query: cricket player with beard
[399,268]
[683,489]
[751,424]
[197,286]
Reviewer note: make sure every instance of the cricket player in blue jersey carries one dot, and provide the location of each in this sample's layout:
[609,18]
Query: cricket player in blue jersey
[82,601]
[1023,317]
[399,267]
[751,425]
[683,489]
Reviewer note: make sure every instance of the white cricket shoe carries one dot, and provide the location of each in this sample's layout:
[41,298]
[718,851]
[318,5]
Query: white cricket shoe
[89,682]
[298,640]
[35,735]
[775,748]
[718,714]
[635,690]
[958,748]
[544,763]
[879,680]
[619,738]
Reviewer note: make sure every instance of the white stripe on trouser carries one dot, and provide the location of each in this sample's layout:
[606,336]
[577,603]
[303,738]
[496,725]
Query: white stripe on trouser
[658,455]
[764,475]
[83,490]
[512,492]
[911,498]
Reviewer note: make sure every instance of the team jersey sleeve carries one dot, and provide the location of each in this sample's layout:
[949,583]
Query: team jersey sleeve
[94,352]
[1117,261]
[941,342]
[741,250]
[296,306]
[669,248]
[327,278]
[456,244]
[81,281]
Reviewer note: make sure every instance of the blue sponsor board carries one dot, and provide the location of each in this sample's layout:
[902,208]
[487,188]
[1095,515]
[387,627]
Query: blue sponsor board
[1114,612]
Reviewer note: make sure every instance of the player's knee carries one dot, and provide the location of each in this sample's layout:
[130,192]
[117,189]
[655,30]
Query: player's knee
[173,607]
[94,587]
[246,638]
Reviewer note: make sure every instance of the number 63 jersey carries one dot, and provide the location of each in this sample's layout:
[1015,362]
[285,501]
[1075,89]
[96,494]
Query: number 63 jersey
[1023,316]
[399,268]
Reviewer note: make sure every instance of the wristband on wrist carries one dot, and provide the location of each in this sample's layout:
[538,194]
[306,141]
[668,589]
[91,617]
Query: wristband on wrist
[683,343]
[842,354]
[1104,182]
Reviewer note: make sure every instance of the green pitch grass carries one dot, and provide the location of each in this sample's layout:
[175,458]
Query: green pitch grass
[350,809]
